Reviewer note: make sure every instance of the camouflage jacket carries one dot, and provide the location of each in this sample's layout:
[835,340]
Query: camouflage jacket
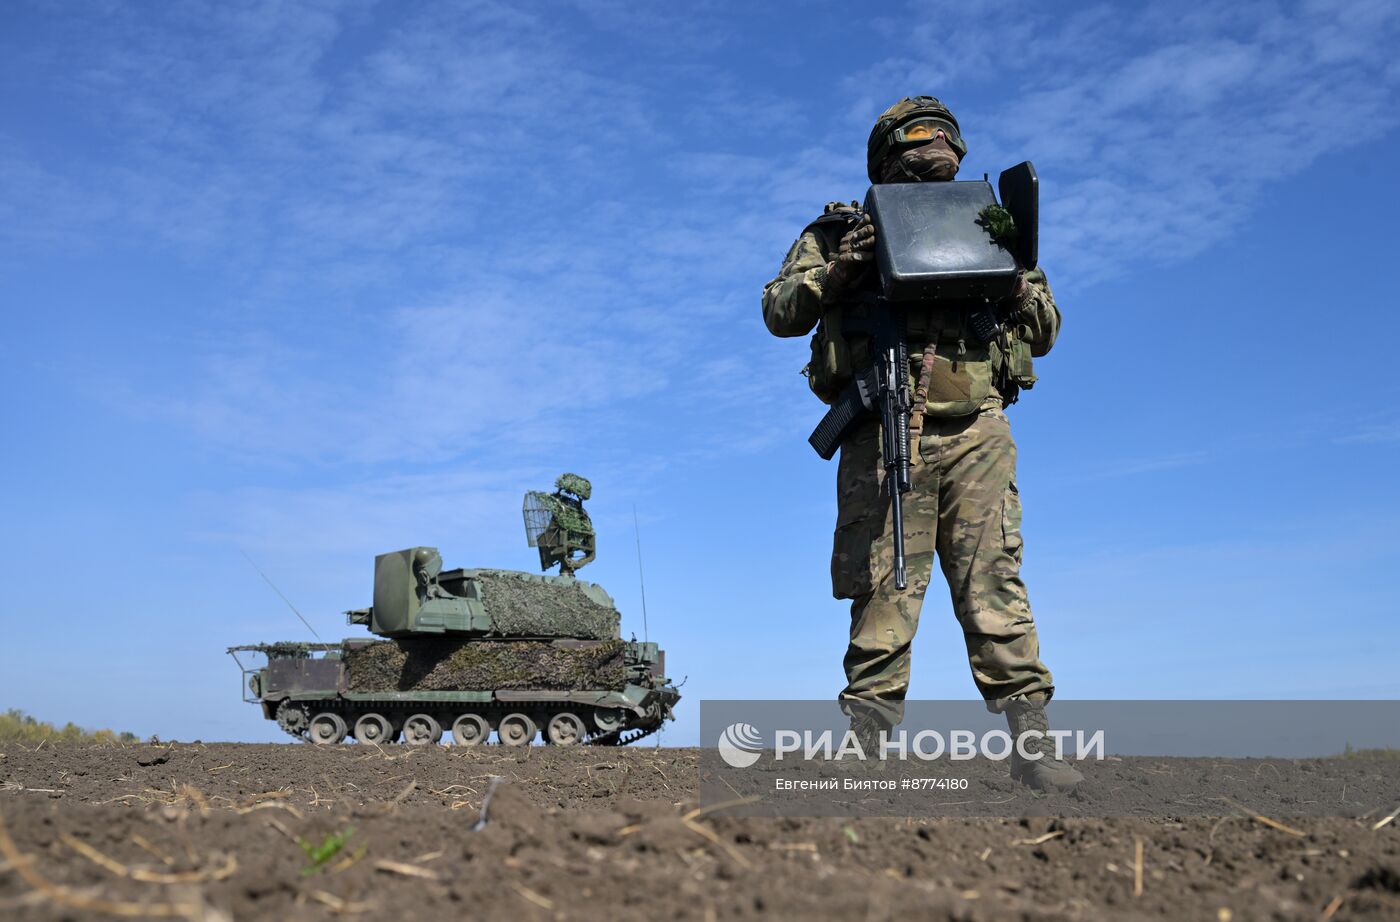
[797,300]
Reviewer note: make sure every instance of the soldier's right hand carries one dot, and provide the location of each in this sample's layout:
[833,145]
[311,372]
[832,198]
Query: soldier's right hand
[855,253]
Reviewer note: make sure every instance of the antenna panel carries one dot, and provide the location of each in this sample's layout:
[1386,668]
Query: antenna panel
[538,517]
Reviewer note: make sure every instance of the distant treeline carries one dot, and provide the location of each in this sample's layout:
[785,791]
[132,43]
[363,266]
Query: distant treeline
[17,725]
[1350,753]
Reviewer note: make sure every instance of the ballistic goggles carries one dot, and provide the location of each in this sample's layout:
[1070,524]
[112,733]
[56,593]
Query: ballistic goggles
[922,130]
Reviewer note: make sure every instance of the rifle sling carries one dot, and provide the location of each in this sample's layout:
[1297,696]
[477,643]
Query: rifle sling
[916,414]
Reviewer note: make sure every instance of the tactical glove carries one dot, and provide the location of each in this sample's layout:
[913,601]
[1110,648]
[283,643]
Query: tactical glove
[1022,289]
[987,325]
[855,253]
[1013,302]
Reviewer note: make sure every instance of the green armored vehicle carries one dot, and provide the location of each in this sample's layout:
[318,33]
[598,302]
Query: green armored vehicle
[472,652]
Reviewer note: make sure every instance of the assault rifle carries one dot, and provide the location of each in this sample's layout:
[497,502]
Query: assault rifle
[883,389]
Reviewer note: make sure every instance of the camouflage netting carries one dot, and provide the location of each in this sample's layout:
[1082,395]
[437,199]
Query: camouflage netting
[440,664]
[287,649]
[567,515]
[525,605]
[998,222]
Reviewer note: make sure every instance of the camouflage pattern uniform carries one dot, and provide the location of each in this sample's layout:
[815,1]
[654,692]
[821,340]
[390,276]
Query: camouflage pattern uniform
[964,505]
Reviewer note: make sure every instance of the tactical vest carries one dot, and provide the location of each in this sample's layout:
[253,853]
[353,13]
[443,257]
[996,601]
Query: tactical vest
[965,370]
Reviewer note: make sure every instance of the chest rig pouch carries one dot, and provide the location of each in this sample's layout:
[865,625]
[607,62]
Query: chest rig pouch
[947,355]
[1013,370]
[829,369]
[956,367]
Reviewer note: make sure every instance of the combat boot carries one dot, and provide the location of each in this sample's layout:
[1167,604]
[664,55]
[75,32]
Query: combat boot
[866,727]
[1047,773]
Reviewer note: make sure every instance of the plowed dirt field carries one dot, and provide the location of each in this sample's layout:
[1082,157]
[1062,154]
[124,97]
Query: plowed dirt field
[226,831]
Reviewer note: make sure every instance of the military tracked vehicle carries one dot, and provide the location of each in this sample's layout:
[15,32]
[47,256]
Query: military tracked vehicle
[475,652]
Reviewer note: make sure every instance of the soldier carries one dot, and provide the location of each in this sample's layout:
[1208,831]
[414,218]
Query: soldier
[963,504]
[569,539]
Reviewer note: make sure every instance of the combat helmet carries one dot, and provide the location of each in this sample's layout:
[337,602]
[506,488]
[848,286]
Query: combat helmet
[573,483]
[908,108]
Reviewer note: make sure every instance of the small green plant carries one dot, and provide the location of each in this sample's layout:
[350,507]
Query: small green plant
[998,222]
[320,855]
[851,834]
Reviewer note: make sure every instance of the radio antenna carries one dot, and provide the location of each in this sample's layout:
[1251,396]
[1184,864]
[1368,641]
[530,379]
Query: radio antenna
[641,577]
[279,594]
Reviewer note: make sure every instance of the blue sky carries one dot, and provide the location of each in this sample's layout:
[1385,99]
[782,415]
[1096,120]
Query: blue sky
[314,282]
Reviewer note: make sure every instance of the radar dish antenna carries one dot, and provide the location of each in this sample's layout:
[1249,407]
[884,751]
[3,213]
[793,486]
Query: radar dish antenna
[558,527]
[538,516]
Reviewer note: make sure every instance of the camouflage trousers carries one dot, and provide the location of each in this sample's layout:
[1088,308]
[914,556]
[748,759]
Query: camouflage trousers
[964,505]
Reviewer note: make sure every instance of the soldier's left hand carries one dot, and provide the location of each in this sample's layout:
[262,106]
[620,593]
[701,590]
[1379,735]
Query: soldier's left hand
[1019,292]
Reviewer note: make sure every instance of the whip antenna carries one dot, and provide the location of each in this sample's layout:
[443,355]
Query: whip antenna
[284,598]
[641,577]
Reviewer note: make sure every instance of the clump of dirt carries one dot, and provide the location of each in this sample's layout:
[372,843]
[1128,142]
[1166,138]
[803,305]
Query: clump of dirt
[297,831]
[1379,878]
[442,664]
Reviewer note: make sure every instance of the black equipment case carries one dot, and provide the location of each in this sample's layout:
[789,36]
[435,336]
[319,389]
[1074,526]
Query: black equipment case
[930,246]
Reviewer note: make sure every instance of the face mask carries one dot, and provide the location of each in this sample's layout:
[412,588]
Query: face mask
[935,161]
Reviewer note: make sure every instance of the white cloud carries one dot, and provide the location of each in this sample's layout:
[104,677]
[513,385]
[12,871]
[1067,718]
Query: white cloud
[1375,432]
[1128,467]
[1156,132]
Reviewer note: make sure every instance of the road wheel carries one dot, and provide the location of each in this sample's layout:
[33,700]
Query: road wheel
[516,730]
[422,730]
[565,729]
[609,720]
[326,729]
[374,728]
[470,730]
